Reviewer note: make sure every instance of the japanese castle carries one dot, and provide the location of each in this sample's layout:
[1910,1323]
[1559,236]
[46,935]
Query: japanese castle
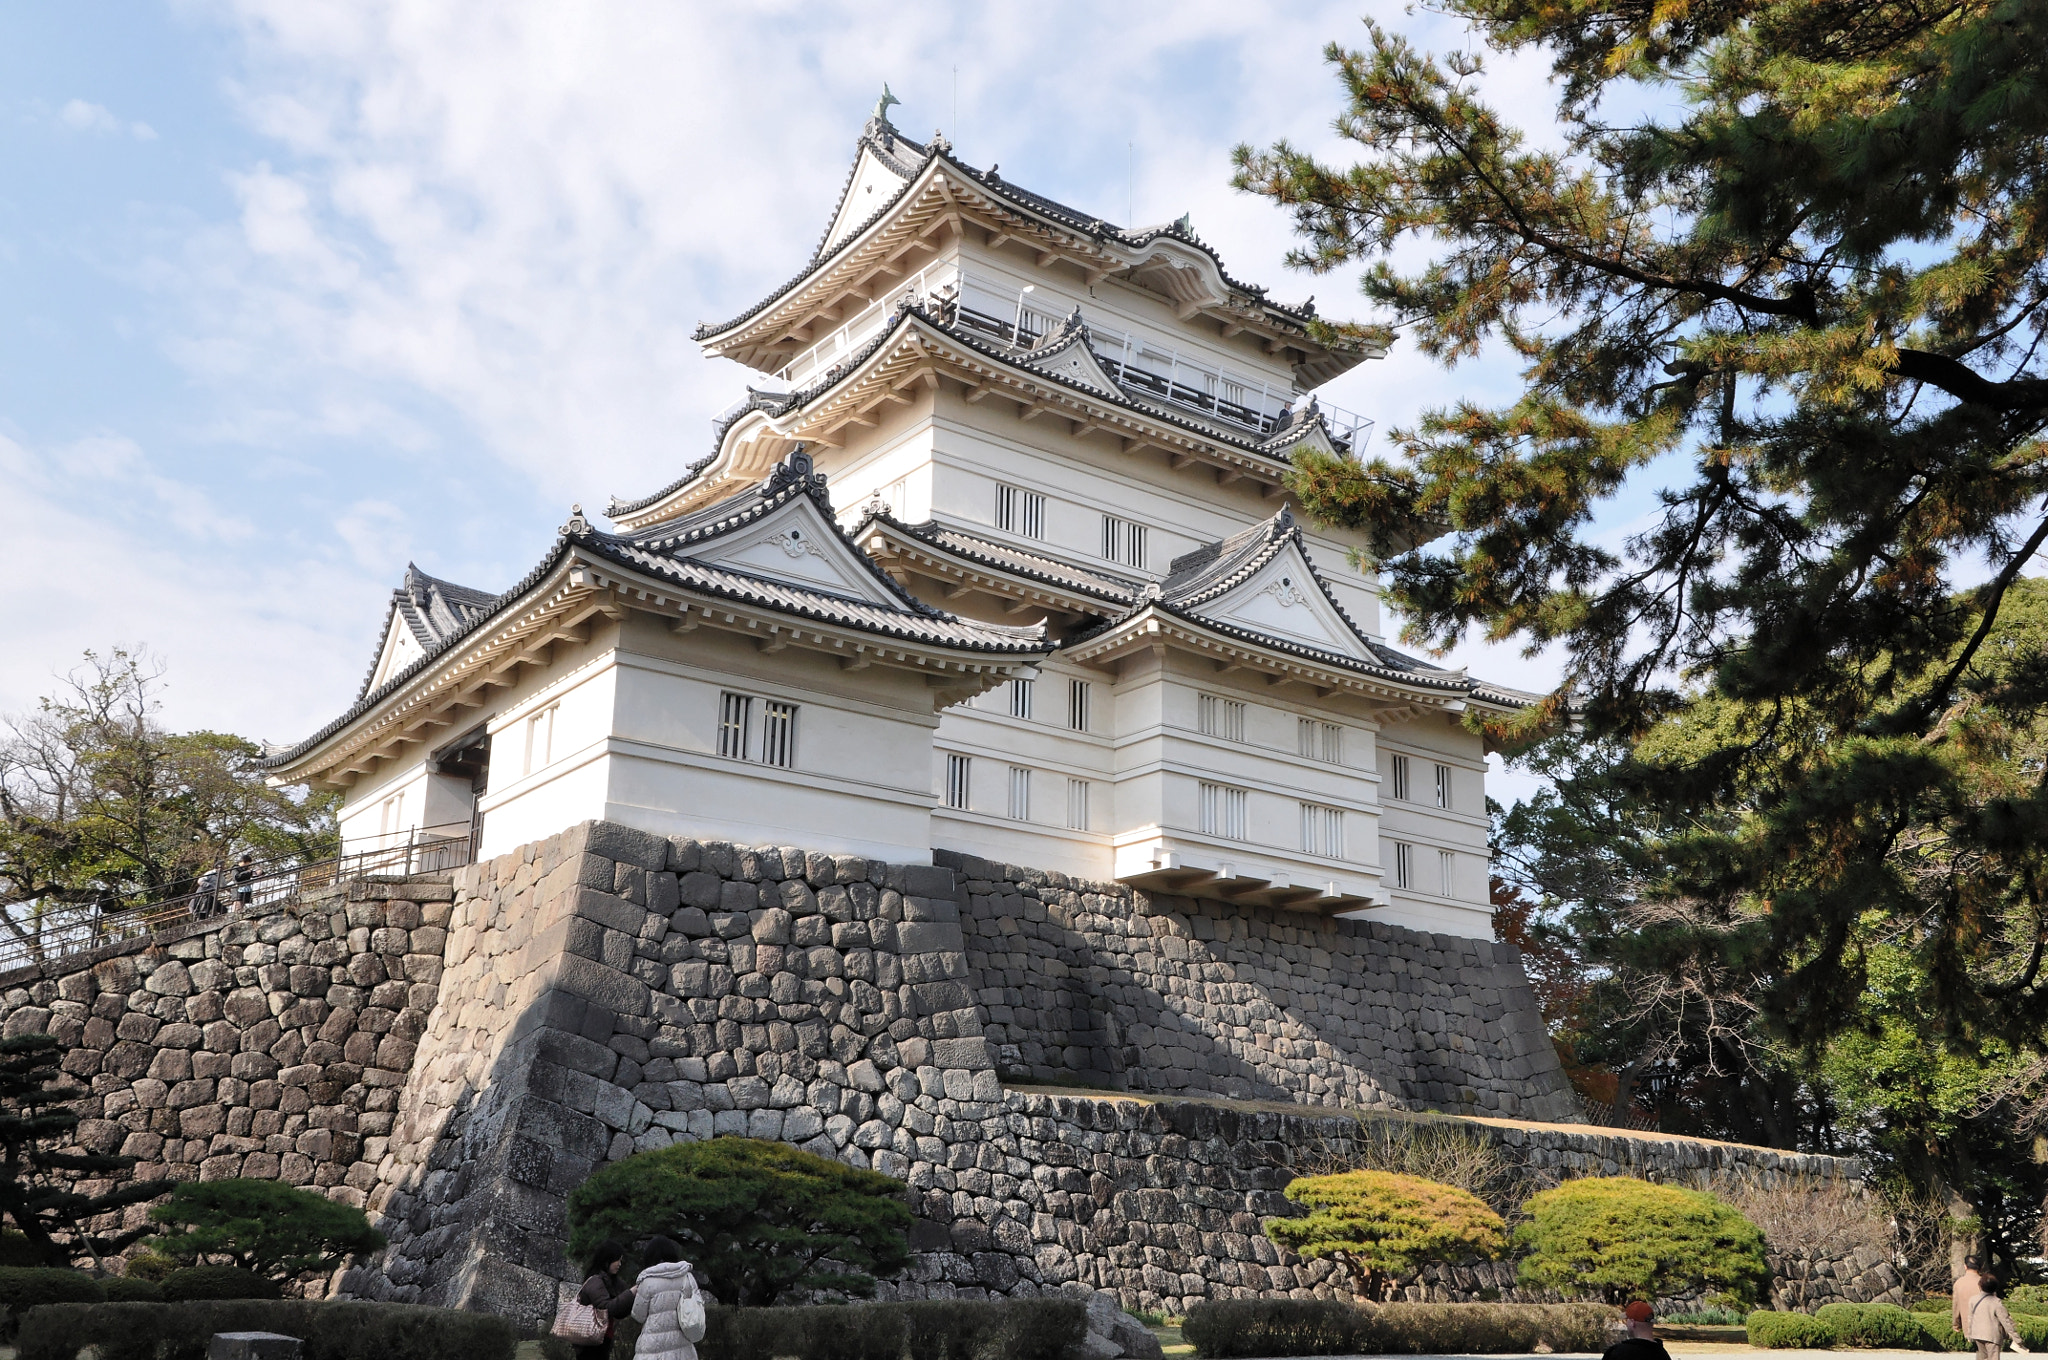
[996,557]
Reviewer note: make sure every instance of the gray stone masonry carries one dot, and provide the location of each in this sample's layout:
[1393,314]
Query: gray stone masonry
[457,1057]
[1147,992]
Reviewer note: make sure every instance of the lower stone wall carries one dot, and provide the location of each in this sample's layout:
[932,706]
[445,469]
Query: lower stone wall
[1149,992]
[458,1056]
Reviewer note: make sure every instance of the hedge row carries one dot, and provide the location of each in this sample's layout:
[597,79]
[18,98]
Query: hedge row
[1877,1326]
[950,1329]
[1255,1327]
[331,1331]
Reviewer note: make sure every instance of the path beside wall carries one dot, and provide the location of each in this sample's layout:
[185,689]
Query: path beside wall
[459,1056]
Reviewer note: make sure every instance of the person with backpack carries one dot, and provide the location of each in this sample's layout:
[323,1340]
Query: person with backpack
[670,1307]
[1988,1322]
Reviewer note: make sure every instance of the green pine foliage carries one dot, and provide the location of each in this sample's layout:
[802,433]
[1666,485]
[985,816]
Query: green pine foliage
[1800,290]
[1379,1225]
[757,1220]
[264,1227]
[1618,1238]
[40,1194]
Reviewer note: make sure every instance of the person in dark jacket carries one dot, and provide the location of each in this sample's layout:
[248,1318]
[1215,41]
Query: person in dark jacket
[603,1290]
[1641,1342]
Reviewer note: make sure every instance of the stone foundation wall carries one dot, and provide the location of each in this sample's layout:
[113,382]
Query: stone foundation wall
[457,1057]
[1148,992]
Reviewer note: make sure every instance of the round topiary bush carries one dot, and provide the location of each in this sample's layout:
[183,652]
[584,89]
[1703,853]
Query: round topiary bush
[218,1282]
[1789,1331]
[1380,1226]
[1619,1238]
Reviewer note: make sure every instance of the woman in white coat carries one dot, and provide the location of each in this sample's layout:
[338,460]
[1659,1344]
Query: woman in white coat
[667,1304]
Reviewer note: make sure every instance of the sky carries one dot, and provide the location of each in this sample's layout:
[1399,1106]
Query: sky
[299,292]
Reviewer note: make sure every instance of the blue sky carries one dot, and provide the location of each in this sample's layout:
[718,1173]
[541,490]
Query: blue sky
[301,292]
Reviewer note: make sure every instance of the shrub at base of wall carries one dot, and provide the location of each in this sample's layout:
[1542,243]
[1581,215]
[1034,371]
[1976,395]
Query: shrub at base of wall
[1011,1329]
[1255,1327]
[330,1331]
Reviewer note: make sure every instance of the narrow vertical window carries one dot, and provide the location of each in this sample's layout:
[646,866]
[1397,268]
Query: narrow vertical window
[1446,863]
[1123,541]
[1020,793]
[1305,737]
[1077,705]
[1006,508]
[1020,698]
[1333,743]
[1077,804]
[735,719]
[1220,717]
[958,772]
[1322,830]
[1443,786]
[1224,812]
[778,733]
[540,739]
[1400,777]
[1404,864]
[1033,525]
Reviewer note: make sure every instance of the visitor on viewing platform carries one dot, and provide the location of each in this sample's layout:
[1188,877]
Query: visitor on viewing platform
[603,1291]
[1989,1322]
[245,874]
[1641,1343]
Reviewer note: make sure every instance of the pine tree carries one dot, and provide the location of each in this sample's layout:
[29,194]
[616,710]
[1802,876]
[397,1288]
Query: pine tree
[1815,286]
[46,1193]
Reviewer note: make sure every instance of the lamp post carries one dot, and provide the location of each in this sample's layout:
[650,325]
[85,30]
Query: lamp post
[1017,326]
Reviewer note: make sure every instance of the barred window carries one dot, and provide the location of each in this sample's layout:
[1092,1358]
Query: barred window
[735,724]
[1404,864]
[1020,793]
[1220,717]
[1446,866]
[959,771]
[1020,512]
[1077,804]
[1322,830]
[1020,698]
[1399,766]
[1077,705]
[778,733]
[1123,541]
[1443,786]
[1225,812]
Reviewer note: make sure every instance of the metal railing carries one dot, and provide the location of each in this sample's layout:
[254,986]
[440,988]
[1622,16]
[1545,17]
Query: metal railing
[40,934]
[936,280]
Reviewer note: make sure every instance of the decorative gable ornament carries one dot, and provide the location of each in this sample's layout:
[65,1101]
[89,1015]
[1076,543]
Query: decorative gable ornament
[1067,352]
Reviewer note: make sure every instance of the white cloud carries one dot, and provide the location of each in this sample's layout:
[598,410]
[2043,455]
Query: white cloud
[85,116]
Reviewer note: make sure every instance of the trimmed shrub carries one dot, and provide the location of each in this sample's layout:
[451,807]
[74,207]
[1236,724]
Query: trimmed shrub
[128,1289]
[18,1252]
[756,1219]
[1622,1238]
[331,1331]
[1256,1327]
[1380,1226]
[148,1266]
[1875,1326]
[950,1329]
[268,1227]
[1933,1303]
[217,1282]
[1786,1331]
[1944,1337]
[22,1288]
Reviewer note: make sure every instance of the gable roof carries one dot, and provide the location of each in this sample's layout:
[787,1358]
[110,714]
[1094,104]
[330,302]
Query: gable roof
[431,611]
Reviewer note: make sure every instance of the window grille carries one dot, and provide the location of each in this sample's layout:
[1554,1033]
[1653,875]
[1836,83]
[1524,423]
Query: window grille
[1443,786]
[1446,863]
[1404,864]
[1020,698]
[1020,512]
[1077,705]
[959,771]
[1400,777]
[1020,793]
[778,733]
[1322,830]
[735,724]
[1333,743]
[1225,812]
[1077,804]
[1123,541]
[1220,717]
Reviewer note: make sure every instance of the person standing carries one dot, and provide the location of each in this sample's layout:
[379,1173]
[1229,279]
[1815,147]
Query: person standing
[664,1283]
[245,876]
[1989,1323]
[1641,1343]
[606,1293]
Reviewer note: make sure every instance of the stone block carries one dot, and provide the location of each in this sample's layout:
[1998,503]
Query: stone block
[597,984]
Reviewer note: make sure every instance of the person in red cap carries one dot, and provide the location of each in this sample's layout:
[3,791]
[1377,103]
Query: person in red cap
[1641,1342]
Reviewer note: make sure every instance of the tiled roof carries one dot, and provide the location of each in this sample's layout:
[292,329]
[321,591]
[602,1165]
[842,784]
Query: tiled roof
[1074,219]
[651,551]
[1115,590]
[772,402]
[432,611]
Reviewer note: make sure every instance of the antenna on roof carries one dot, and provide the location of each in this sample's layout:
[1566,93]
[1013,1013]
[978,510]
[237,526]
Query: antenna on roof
[1130,185]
